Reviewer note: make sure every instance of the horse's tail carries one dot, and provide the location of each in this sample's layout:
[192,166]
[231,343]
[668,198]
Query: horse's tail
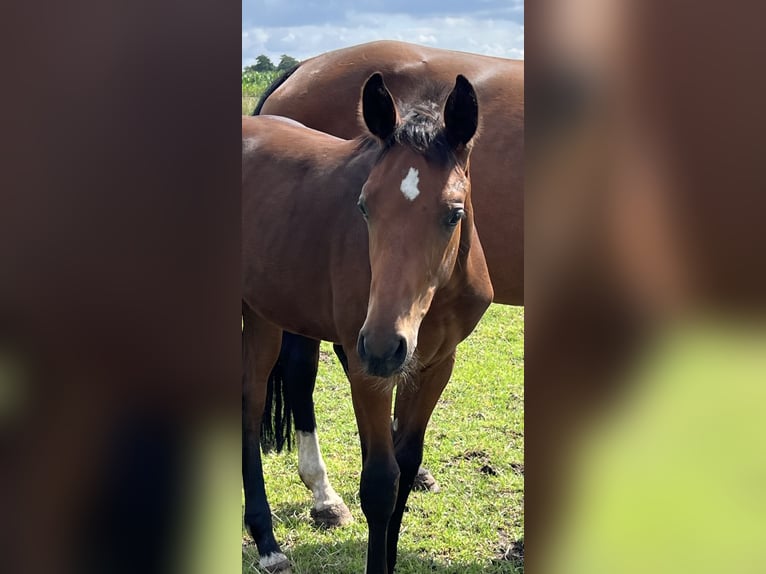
[276,425]
[274,85]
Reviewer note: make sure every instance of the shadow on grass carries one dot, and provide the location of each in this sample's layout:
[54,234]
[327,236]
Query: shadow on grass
[348,558]
[291,511]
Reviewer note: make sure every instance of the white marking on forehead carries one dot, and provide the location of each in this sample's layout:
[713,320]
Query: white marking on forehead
[409,185]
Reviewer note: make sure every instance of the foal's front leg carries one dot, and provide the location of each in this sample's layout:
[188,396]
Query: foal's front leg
[380,473]
[415,401]
[424,480]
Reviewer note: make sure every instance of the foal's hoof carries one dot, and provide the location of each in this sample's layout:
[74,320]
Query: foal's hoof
[276,563]
[425,481]
[332,516]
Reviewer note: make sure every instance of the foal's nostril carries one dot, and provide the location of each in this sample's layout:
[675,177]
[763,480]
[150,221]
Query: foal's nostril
[401,351]
[382,357]
[361,347]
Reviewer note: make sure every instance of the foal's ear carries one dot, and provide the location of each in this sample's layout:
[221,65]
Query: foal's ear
[461,113]
[378,107]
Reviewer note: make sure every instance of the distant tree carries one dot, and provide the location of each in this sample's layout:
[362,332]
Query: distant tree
[286,62]
[262,64]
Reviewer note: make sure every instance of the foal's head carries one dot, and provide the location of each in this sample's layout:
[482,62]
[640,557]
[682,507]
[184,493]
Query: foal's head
[416,202]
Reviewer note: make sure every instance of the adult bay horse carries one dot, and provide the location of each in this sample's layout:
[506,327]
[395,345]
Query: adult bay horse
[322,93]
[369,243]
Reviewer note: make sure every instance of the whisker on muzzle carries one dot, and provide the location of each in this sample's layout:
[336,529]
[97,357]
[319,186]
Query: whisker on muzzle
[404,378]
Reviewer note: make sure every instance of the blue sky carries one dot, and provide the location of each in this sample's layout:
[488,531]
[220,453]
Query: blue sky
[305,29]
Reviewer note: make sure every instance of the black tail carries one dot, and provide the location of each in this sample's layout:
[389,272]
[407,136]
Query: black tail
[276,425]
[289,393]
[274,85]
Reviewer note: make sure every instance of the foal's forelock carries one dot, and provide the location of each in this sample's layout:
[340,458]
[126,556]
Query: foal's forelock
[421,128]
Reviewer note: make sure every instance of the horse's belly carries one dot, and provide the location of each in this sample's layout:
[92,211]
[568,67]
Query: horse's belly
[291,297]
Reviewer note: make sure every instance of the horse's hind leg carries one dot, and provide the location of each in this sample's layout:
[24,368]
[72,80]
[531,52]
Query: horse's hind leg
[300,359]
[260,350]
[415,403]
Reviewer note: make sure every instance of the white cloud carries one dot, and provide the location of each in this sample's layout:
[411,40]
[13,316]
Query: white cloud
[491,36]
[253,38]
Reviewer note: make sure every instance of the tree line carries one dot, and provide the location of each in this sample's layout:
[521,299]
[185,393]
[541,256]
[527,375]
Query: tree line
[264,64]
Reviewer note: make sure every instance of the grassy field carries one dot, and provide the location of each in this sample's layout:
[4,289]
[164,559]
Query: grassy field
[474,448]
[253,85]
[248,104]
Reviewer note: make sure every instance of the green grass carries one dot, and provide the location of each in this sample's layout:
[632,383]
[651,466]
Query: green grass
[470,525]
[253,85]
[248,104]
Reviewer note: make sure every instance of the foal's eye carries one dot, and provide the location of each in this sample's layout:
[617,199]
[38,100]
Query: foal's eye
[362,208]
[455,215]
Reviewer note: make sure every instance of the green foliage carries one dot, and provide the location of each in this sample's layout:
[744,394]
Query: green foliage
[255,83]
[263,64]
[474,447]
[286,62]
[257,77]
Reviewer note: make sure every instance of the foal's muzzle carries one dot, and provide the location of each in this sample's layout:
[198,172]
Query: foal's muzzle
[382,356]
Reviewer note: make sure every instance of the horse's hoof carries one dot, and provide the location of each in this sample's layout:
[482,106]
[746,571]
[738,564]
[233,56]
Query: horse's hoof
[332,516]
[424,480]
[276,563]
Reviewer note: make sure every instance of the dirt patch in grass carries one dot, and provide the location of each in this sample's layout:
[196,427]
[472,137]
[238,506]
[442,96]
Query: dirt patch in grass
[483,460]
[326,357]
[511,550]
[473,455]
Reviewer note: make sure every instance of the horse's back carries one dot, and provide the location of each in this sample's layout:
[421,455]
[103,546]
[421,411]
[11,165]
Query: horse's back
[283,136]
[275,145]
[324,91]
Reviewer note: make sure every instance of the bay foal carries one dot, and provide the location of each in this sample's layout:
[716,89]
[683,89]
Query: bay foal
[369,243]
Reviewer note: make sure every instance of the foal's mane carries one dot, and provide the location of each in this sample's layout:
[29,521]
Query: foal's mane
[420,127]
